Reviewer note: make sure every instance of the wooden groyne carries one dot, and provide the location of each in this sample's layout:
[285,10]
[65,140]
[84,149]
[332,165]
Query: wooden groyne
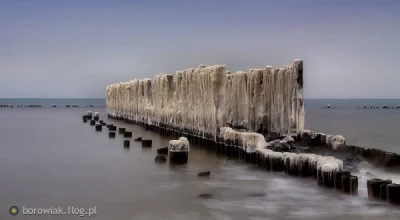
[336,145]
[251,148]
[326,170]
[230,113]
[256,116]
[201,100]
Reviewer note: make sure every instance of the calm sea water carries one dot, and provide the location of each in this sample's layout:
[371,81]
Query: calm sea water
[48,157]
[373,128]
[46,103]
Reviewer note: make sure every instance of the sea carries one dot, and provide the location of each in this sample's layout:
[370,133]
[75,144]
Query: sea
[50,160]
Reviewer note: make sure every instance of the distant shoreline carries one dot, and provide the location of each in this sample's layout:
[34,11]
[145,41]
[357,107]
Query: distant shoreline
[304,99]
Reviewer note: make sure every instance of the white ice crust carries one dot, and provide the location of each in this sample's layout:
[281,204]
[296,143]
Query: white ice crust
[201,100]
[181,145]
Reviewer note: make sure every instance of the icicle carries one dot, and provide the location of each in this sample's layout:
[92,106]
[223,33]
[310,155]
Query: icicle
[202,100]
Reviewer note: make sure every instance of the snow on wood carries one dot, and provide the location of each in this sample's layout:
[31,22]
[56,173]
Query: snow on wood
[202,100]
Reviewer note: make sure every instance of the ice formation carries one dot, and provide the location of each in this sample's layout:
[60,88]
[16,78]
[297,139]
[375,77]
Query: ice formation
[306,134]
[325,164]
[336,141]
[205,100]
[202,100]
[179,145]
[248,141]
[252,142]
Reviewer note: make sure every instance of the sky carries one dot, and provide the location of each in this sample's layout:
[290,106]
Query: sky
[74,48]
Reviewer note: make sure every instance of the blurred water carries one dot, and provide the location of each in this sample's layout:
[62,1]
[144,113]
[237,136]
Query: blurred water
[48,157]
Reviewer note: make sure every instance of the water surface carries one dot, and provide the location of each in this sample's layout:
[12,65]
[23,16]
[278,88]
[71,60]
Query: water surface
[48,157]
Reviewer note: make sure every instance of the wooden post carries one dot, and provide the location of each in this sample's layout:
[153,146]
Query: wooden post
[98,127]
[111,134]
[353,185]
[121,130]
[393,194]
[337,178]
[147,143]
[374,188]
[346,183]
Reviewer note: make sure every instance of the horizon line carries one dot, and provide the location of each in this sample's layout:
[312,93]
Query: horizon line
[105,98]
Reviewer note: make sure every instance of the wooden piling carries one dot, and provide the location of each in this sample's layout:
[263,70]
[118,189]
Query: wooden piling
[121,130]
[112,128]
[127,134]
[353,185]
[305,169]
[178,157]
[383,192]
[258,159]
[346,183]
[337,178]
[146,143]
[374,188]
[276,164]
[393,194]
[253,158]
[325,179]
[98,127]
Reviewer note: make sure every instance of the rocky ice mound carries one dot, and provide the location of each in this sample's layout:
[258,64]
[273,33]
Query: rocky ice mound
[248,141]
[252,142]
[181,145]
[336,141]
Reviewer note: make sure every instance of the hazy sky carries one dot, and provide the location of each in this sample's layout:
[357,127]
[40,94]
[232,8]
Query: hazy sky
[74,48]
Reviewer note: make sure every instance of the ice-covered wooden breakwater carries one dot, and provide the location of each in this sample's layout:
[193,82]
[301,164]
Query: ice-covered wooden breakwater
[208,104]
[203,99]
[377,157]
[252,147]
